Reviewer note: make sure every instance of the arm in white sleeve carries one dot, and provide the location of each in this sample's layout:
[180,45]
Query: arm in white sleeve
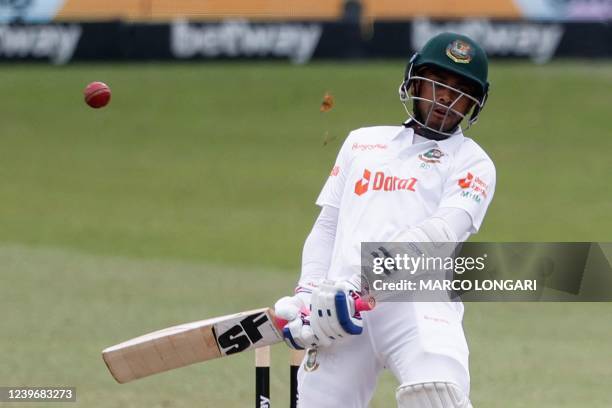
[448,224]
[317,253]
[457,220]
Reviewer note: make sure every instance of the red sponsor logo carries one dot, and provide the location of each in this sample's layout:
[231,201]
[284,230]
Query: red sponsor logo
[476,184]
[362,184]
[334,171]
[382,182]
[467,181]
[480,187]
[364,147]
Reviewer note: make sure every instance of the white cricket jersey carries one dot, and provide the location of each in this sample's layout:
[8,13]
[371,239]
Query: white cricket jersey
[383,184]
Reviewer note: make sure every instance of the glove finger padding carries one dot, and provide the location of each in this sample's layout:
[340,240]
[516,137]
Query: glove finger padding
[319,327]
[347,292]
[333,314]
[348,318]
[298,333]
[326,315]
[288,307]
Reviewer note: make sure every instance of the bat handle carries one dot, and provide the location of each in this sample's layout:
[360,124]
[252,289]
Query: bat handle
[361,305]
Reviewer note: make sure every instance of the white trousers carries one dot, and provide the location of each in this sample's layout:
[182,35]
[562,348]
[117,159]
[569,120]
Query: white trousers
[418,342]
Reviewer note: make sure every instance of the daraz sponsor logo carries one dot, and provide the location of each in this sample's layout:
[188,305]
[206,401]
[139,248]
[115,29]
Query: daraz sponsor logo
[382,182]
[473,187]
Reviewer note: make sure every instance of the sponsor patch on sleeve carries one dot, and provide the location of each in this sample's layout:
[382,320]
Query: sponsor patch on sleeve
[473,187]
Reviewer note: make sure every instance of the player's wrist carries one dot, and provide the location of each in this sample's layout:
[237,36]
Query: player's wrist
[304,299]
[303,292]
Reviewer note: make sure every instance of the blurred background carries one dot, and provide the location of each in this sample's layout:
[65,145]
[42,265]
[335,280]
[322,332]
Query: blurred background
[191,194]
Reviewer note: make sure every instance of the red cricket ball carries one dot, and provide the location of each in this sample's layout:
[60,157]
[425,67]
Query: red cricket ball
[97,95]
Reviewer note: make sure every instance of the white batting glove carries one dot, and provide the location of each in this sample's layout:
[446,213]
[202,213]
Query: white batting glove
[295,310]
[333,314]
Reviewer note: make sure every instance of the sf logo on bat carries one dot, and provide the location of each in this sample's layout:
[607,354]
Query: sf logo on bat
[245,333]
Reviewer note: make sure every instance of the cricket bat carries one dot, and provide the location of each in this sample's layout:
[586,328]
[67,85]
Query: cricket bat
[190,343]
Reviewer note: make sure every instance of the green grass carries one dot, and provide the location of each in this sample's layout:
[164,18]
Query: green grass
[191,195]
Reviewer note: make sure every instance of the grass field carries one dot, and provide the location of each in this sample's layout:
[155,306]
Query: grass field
[191,194]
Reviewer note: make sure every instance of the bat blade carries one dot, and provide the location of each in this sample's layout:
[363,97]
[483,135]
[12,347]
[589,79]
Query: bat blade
[190,343]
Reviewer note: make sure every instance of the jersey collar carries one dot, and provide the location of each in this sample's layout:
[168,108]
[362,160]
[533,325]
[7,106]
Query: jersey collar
[451,144]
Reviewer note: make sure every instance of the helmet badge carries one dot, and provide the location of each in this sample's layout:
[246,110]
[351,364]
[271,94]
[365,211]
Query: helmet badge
[460,52]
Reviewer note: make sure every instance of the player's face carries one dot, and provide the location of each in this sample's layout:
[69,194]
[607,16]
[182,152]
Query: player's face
[437,114]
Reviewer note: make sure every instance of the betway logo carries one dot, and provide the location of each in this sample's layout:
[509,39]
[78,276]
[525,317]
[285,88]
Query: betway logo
[241,39]
[538,41]
[383,182]
[55,42]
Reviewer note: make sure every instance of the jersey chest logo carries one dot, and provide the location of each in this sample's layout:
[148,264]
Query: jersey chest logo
[383,182]
[431,156]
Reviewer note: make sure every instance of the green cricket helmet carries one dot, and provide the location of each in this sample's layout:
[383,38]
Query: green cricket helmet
[458,54]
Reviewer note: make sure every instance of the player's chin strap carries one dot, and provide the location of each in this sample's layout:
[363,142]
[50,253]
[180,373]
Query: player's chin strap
[423,128]
[426,132]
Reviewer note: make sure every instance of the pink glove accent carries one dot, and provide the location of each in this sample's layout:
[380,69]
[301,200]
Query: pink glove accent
[360,306]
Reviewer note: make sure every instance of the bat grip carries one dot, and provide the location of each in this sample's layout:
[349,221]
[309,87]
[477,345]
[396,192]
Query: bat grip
[361,305]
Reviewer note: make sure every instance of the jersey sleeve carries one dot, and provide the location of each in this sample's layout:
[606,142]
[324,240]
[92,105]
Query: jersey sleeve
[470,187]
[332,191]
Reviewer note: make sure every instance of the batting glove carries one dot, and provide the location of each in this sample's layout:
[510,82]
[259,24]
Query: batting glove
[333,314]
[295,310]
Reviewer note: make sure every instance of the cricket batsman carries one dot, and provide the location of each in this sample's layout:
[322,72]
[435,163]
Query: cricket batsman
[423,181]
